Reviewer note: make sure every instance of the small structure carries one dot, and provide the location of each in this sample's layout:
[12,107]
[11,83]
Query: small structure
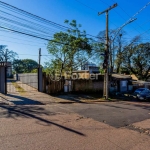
[9,69]
[121,83]
[141,84]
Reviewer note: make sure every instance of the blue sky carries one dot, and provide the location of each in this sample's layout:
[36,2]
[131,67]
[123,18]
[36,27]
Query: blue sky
[85,12]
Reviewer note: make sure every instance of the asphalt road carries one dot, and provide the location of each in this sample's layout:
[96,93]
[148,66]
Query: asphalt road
[67,126]
[116,114]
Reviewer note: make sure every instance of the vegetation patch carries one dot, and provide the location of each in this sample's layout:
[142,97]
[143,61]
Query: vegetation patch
[18,88]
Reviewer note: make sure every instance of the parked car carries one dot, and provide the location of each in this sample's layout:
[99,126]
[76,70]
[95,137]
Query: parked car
[144,95]
[138,91]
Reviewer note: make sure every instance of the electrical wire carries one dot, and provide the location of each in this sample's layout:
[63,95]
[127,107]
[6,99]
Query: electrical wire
[118,14]
[4,13]
[21,43]
[87,6]
[135,13]
[93,10]
[35,17]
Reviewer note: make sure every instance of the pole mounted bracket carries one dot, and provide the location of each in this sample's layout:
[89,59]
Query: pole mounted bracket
[111,7]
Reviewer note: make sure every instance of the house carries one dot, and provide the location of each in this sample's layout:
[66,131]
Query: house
[91,67]
[81,74]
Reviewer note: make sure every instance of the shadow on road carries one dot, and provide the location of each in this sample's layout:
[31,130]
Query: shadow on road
[141,104]
[32,112]
[23,100]
[118,107]
[78,97]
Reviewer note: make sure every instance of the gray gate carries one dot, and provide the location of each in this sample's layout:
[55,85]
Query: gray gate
[24,82]
[3,85]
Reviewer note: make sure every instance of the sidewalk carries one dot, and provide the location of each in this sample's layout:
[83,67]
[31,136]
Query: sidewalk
[28,95]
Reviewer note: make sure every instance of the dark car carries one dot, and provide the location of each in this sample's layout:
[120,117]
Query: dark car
[138,91]
[144,95]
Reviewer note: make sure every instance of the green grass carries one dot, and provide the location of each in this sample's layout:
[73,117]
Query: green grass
[18,88]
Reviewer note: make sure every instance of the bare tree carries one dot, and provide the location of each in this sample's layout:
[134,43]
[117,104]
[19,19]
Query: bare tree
[6,54]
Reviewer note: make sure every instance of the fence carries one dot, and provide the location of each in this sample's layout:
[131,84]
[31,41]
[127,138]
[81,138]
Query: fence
[30,79]
[78,85]
[52,87]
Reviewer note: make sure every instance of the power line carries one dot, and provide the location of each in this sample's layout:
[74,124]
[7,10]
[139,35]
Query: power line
[145,23]
[135,13]
[21,24]
[91,9]
[144,32]
[37,18]
[36,55]
[27,21]
[22,35]
[21,43]
[118,14]
[30,35]
[20,39]
[86,5]
[5,25]
[35,36]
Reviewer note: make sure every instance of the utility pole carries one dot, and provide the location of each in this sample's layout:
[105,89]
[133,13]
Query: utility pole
[39,72]
[6,55]
[39,57]
[106,61]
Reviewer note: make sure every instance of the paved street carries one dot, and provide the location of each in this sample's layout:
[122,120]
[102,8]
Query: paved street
[30,120]
[75,126]
[74,75]
[33,120]
[116,114]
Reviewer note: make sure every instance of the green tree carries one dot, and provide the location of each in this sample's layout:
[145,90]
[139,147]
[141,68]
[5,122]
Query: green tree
[137,59]
[70,49]
[25,66]
[116,44]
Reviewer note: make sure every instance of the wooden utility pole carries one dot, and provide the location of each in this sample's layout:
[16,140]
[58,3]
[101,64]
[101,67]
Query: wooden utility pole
[106,59]
[39,73]
[39,57]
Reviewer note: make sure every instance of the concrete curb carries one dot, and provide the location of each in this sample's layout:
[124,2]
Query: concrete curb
[85,101]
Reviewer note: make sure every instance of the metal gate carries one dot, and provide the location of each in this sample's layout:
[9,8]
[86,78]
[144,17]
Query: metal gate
[3,86]
[22,83]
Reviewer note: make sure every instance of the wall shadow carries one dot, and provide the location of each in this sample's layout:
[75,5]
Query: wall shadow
[33,112]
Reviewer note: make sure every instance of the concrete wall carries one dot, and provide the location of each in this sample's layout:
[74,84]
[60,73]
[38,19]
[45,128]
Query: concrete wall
[30,79]
[87,86]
